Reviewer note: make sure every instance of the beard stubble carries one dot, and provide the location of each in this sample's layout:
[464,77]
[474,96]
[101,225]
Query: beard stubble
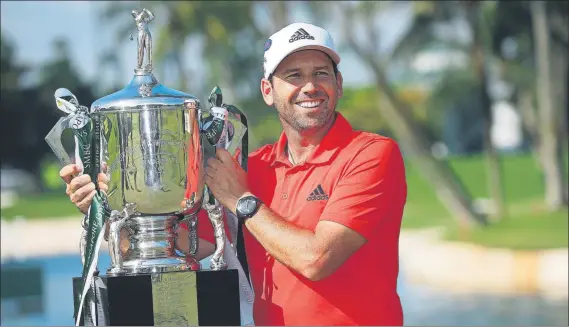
[299,121]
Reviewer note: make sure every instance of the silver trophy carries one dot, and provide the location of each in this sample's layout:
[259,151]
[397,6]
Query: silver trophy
[154,142]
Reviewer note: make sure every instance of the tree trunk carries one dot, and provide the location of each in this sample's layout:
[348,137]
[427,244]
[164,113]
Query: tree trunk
[559,69]
[493,162]
[450,190]
[550,145]
[525,104]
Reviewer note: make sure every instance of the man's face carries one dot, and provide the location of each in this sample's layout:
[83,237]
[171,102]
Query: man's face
[304,90]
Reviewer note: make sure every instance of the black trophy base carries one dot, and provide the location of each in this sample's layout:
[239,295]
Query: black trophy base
[185,298]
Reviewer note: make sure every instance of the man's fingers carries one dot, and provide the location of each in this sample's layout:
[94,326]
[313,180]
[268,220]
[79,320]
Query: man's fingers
[78,182]
[208,174]
[103,187]
[84,204]
[214,163]
[81,193]
[103,182]
[208,179]
[102,178]
[68,172]
[223,155]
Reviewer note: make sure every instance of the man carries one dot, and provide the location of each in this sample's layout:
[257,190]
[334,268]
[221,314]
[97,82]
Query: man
[322,206]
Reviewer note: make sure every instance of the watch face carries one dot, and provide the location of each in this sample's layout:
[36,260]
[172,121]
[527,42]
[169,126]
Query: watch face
[247,206]
[250,205]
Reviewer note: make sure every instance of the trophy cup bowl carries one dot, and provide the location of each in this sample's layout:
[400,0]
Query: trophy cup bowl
[153,156]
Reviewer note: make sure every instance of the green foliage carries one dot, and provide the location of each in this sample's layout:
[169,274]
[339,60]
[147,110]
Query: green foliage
[265,132]
[359,106]
[513,23]
[453,86]
[28,113]
[11,71]
[50,174]
[528,226]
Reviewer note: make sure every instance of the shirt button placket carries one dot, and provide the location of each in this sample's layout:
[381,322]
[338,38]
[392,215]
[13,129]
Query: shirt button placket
[285,185]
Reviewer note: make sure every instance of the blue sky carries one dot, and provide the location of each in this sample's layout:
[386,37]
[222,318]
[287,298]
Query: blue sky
[33,25]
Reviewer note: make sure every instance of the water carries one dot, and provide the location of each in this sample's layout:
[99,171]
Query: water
[422,305]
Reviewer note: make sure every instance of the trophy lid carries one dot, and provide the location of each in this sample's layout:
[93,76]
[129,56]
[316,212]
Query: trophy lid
[144,91]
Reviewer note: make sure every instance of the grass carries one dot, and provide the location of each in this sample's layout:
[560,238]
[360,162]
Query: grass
[528,224]
[527,231]
[47,205]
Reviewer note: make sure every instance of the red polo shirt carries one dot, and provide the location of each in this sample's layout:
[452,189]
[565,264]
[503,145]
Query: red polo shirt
[353,178]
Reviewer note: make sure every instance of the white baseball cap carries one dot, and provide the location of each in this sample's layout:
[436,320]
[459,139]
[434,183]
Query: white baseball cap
[296,37]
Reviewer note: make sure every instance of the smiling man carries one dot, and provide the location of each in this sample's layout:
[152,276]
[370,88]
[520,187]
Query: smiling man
[323,205]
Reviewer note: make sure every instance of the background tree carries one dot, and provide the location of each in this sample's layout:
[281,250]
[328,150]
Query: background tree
[480,57]
[550,103]
[397,113]
[29,111]
[531,39]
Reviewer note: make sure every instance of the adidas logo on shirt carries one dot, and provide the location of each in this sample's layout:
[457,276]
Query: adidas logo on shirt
[317,194]
[301,34]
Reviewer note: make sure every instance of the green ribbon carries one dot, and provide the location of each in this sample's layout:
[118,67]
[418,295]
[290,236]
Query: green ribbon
[88,139]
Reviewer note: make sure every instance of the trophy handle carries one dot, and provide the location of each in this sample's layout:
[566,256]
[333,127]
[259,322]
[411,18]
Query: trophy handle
[226,125]
[240,135]
[53,139]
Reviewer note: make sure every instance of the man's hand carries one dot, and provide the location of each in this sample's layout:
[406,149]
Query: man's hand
[80,189]
[226,179]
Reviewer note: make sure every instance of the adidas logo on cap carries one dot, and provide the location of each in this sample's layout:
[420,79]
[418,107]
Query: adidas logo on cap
[301,34]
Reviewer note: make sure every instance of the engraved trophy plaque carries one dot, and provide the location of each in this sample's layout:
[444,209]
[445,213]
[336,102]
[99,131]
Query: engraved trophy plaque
[152,142]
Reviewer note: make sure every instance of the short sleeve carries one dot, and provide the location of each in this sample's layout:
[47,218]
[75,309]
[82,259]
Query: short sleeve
[371,190]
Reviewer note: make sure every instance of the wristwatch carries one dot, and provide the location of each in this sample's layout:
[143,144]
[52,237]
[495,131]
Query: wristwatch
[247,207]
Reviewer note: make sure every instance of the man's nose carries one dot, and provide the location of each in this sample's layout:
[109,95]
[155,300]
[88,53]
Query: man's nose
[309,87]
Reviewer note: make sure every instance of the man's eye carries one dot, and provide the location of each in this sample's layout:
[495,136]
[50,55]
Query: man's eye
[293,75]
[322,73]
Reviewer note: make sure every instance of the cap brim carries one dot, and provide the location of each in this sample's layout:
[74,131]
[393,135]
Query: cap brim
[331,53]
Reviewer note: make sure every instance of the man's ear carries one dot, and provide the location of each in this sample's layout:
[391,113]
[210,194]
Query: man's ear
[339,84]
[267,91]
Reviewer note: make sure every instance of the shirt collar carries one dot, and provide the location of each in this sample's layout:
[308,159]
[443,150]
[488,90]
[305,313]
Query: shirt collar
[335,139]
